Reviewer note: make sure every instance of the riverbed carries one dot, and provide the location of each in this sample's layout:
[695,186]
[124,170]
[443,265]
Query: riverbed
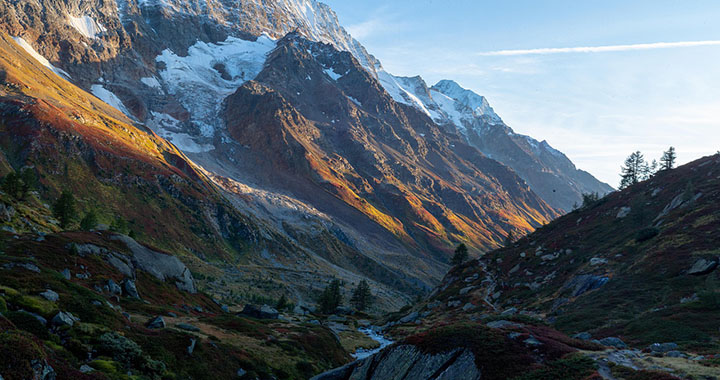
[363,353]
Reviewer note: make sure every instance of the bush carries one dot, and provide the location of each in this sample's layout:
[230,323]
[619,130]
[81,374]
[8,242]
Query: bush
[119,348]
[27,322]
[18,351]
[36,304]
[646,234]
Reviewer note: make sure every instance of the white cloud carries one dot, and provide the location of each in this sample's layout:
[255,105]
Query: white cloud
[602,49]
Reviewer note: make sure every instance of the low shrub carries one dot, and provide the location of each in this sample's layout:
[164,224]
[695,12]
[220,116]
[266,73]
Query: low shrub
[646,234]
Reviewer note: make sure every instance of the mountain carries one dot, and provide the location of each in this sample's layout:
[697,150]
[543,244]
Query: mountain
[294,130]
[635,271]
[548,171]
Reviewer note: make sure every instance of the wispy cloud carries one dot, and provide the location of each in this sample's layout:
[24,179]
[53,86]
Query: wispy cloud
[601,49]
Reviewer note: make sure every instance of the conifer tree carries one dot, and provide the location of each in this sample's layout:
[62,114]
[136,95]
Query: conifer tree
[634,170]
[460,256]
[64,209]
[362,297]
[90,221]
[667,162]
[330,298]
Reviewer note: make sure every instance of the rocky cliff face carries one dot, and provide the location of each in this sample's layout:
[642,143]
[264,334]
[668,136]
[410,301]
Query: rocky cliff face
[548,171]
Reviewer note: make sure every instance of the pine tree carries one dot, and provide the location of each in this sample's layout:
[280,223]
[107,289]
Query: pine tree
[509,239]
[64,209]
[330,298]
[667,162]
[634,170]
[90,221]
[282,303]
[12,185]
[460,256]
[362,297]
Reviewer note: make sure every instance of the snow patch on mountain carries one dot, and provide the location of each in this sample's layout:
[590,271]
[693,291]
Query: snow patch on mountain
[203,78]
[478,104]
[30,50]
[398,92]
[108,97]
[332,74]
[151,82]
[86,25]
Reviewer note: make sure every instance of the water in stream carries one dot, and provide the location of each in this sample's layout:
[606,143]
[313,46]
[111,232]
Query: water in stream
[362,353]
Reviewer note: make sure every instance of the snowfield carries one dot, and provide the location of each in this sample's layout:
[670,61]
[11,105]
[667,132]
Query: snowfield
[211,72]
[86,25]
[30,50]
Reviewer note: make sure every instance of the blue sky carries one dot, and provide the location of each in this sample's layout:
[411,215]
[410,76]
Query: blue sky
[597,106]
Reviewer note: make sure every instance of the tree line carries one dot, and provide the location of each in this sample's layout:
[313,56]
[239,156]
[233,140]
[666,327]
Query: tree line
[636,169]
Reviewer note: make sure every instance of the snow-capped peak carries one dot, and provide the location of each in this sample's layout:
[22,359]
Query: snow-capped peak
[467,98]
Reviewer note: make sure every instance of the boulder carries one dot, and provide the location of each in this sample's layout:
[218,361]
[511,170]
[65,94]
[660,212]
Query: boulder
[613,342]
[130,288]
[468,306]
[598,261]
[585,283]
[262,312]
[86,368]
[502,324]
[191,347]
[156,323]
[583,336]
[64,319]
[114,288]
[663,347]
[160,265]
[702,267]
[66,274]
[466,290]
[410,318]
[187,327]
[624,211]
[50,295]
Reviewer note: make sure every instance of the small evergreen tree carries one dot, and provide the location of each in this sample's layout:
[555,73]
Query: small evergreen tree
[90,221]
[460,256]
[282,303]
[588,199]
[331,298]
[667,162]
[120,226]
[634,170]
[362,298]
[12,185]
[29,180]
[64,209]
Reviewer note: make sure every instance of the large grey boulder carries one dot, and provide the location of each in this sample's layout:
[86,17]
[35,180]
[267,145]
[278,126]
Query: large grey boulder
[131,289]
[663,347]
[64,319]
[156,323]
[585,283]
[407,362]
[702,267]
[50,295]
[162,266]
[613,342]
[114,288]
[262,312]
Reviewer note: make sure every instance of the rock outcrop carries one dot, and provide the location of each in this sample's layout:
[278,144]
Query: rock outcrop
[406,362]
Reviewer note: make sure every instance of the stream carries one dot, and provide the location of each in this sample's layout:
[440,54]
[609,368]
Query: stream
[363,353]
